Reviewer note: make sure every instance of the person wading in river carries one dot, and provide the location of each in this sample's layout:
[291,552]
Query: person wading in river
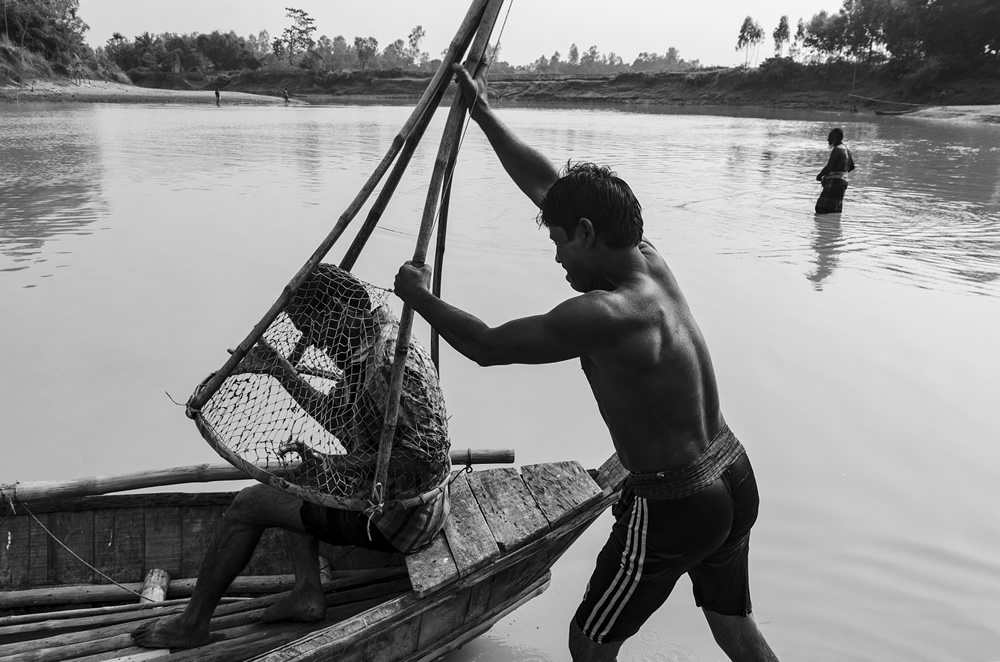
[834,175]
[691,497]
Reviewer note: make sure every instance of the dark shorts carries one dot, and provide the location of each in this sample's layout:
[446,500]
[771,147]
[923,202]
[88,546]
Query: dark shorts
[655,541]
[342,527]
[831,200]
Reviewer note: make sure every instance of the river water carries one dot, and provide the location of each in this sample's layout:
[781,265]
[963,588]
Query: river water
[857,354]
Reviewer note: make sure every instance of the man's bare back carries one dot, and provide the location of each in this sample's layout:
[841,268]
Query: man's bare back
[656,388]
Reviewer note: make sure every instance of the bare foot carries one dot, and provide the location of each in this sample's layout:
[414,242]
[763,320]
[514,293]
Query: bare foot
[169,633]
[300,606]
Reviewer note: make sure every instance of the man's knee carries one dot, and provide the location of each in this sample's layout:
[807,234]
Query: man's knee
[584,649]
[257,503]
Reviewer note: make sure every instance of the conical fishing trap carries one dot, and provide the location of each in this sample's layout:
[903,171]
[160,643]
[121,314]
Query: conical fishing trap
[304,409]
[328,398]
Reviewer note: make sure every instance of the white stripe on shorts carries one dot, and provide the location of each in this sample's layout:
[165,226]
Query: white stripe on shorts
[609,607]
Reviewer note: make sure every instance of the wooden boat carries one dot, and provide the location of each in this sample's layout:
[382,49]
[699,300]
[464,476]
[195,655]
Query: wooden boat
[59,556]
[895,112]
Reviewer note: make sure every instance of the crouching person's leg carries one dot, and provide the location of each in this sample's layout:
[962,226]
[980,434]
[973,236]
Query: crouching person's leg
[254,509]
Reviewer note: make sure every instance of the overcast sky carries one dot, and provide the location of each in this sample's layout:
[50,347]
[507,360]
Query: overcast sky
[704,30]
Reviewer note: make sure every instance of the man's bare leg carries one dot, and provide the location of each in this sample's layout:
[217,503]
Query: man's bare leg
[739,637]
[306,602]
[254,509]
[583,649]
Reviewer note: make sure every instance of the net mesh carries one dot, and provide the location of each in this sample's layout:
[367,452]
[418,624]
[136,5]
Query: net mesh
[303,410]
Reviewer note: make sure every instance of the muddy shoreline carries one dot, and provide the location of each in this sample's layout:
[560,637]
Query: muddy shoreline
[565,91]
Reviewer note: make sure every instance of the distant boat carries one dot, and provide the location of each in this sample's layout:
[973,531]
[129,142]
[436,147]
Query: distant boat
[896,112]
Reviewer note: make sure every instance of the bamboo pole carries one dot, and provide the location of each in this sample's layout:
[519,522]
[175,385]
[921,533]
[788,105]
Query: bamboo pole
[420,117]
[182,588]
[365,232]
[452,132]
[15,493]
[440,243]
[80,642]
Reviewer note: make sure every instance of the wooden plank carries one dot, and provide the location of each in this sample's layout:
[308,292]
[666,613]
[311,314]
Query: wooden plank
[469,536]
[198,526]
[611,474]
[76,531]
[38,541]
[119,544]
[510,510]
[479,601]
[15,552]
[442,622]
[115,501]
[391,643]
[432,567]
[163,540]
[559,488]
[128,654]
[476,627]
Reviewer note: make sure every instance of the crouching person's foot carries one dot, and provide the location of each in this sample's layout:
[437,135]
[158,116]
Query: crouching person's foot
[169,632]
[303,606]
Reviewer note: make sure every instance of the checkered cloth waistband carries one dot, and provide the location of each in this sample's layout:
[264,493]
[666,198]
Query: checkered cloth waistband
[693,477]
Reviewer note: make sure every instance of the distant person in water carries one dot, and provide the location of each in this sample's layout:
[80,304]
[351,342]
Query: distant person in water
[285,94]
[218,97]
[834,175]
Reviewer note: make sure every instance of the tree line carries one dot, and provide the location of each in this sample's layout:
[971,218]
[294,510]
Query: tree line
[50,28]
[297,47]
[948,33]
[53,29]
[592,61]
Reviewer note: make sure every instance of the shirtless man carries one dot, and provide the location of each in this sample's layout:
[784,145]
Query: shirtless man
[691,498]
[834,175]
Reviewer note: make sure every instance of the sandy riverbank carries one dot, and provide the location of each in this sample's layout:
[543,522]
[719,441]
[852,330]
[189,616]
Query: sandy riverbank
[986,114]
[99,91]
[91,91]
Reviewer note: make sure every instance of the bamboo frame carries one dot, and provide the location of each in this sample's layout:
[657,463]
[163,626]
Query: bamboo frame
[17,493]
[417,121]
[447,153]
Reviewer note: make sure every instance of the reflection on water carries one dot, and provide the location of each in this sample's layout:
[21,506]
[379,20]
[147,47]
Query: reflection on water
[50,178]
[856,353]
[827,243]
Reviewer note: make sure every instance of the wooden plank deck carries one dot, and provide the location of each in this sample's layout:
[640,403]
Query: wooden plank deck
[496,511]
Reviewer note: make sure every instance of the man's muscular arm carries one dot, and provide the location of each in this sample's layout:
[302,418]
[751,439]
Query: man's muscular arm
[530,170]
[574,328]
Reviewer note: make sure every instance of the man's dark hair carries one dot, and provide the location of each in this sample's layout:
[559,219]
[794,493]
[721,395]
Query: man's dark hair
[836,136]
[586,190]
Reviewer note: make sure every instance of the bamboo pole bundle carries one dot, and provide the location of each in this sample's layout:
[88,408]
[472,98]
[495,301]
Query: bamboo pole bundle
[446,154]
[232,623]
[17,493]
[179,588]
[475,63]
[417,121]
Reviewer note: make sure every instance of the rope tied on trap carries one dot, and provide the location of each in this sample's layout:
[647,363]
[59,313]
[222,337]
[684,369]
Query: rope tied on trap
[303,409]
